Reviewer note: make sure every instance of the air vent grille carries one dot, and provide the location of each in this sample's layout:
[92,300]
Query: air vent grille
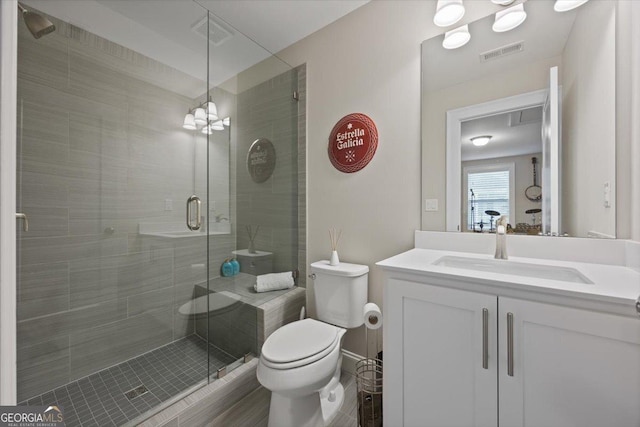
[218,32]
[502,51]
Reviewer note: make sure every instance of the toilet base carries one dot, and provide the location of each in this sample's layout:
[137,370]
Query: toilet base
[315,410]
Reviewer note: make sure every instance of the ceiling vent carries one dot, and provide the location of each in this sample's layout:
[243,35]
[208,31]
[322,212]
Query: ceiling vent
[217,33]
[502,51]
[525,117]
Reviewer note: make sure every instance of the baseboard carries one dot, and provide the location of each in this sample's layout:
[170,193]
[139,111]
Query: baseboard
[349,360]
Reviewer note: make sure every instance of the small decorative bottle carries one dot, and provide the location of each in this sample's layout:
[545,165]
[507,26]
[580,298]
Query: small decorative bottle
[227,268]
[236,266]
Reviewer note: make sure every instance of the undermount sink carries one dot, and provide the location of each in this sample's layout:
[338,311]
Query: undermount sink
[550,272]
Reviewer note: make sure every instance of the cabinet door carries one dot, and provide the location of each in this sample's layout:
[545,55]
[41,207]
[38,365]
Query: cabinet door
[433,357]
[570,367]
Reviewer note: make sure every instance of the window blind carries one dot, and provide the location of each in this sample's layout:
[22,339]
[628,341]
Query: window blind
[491,191]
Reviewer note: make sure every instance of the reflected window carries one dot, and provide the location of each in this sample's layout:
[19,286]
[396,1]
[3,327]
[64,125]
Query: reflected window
[488,195]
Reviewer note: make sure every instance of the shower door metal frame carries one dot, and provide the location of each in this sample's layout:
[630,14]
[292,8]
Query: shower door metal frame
[8,115]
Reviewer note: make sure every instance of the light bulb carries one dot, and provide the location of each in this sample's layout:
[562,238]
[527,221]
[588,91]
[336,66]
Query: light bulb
[226,121]
[207,130]
[566,5]
[217,125]
[509,19]
[212,111]
[189,122]
[456,38]
[448,12]
[200,116]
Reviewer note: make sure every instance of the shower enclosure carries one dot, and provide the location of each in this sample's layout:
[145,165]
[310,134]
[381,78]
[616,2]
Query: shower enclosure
[136,190]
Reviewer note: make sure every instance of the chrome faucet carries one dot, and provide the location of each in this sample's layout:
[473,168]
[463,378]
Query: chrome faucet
[501,238]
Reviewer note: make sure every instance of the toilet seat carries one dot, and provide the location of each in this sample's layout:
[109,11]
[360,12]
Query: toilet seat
[299,343]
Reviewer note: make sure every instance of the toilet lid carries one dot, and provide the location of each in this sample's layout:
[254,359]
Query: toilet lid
[299,340]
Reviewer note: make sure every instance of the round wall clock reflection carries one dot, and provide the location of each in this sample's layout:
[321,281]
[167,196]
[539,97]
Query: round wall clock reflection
[261,160]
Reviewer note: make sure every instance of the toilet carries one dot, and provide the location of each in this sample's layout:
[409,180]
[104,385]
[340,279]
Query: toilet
[300,362]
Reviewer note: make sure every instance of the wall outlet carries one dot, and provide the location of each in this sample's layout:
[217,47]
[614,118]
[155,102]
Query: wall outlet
[168,204]
[431,205]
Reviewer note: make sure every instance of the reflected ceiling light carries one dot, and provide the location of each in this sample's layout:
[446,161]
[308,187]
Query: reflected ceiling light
[502,2]
[448,12]
[207,130]
[217,125]
[189,122]
[509,19]
[212,110]
[479,141]
[226,121]
[200,116]
[566,5]
[456,38]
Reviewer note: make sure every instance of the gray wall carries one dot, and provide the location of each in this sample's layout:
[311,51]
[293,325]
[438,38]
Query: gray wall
[101,148]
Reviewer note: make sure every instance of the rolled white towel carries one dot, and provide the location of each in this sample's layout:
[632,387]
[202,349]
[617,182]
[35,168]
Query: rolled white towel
[274,282]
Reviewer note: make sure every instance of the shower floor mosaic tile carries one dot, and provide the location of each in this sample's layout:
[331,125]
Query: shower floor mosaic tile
[99,399]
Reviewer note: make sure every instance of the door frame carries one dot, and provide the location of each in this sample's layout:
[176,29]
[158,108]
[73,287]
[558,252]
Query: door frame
[454,144]
[8,100]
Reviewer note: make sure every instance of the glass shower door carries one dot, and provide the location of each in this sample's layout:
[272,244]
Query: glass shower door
[109,272]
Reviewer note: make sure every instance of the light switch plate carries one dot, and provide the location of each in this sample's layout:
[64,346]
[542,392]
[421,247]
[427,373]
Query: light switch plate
[431,205]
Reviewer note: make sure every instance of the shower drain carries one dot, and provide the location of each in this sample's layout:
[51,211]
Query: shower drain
[136,392]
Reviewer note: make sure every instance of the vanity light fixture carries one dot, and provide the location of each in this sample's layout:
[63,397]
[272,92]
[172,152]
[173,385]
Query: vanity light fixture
[189,122]
[566,5]
[217,125]
[502,2]
[448,12]
[200,116]
[212,110]
[456,38]
[480,141]
[205,117]
[509,19]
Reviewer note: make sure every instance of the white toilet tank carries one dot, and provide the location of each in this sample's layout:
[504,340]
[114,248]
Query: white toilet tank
[340,292]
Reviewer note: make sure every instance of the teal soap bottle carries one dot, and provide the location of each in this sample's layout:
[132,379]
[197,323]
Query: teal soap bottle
[236,266]
[227,268]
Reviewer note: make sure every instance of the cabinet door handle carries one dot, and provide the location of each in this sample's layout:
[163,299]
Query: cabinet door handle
[510,344]
[485,338]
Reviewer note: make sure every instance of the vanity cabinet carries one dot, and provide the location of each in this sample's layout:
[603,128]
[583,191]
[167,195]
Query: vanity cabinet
[461,358]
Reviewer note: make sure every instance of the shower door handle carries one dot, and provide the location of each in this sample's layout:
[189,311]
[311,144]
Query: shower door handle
[198,222]
[25,220]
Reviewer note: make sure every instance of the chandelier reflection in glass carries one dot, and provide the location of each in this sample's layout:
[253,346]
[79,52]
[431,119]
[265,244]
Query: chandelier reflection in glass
[205,118]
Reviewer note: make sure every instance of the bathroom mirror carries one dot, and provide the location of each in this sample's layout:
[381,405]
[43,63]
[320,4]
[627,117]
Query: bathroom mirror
[491,108]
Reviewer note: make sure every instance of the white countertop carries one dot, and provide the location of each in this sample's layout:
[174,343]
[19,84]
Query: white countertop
[612,284]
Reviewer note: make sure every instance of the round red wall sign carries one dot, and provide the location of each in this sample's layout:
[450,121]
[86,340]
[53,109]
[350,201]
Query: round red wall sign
[352,143]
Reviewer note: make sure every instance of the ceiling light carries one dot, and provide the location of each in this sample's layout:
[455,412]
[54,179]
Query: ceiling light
[226,121]
[502,2]
[189,122]
[200,116]
[448,12]
[212,111]
[566,5]
[509,19]
[217,125]
[479,141]
[456,38]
